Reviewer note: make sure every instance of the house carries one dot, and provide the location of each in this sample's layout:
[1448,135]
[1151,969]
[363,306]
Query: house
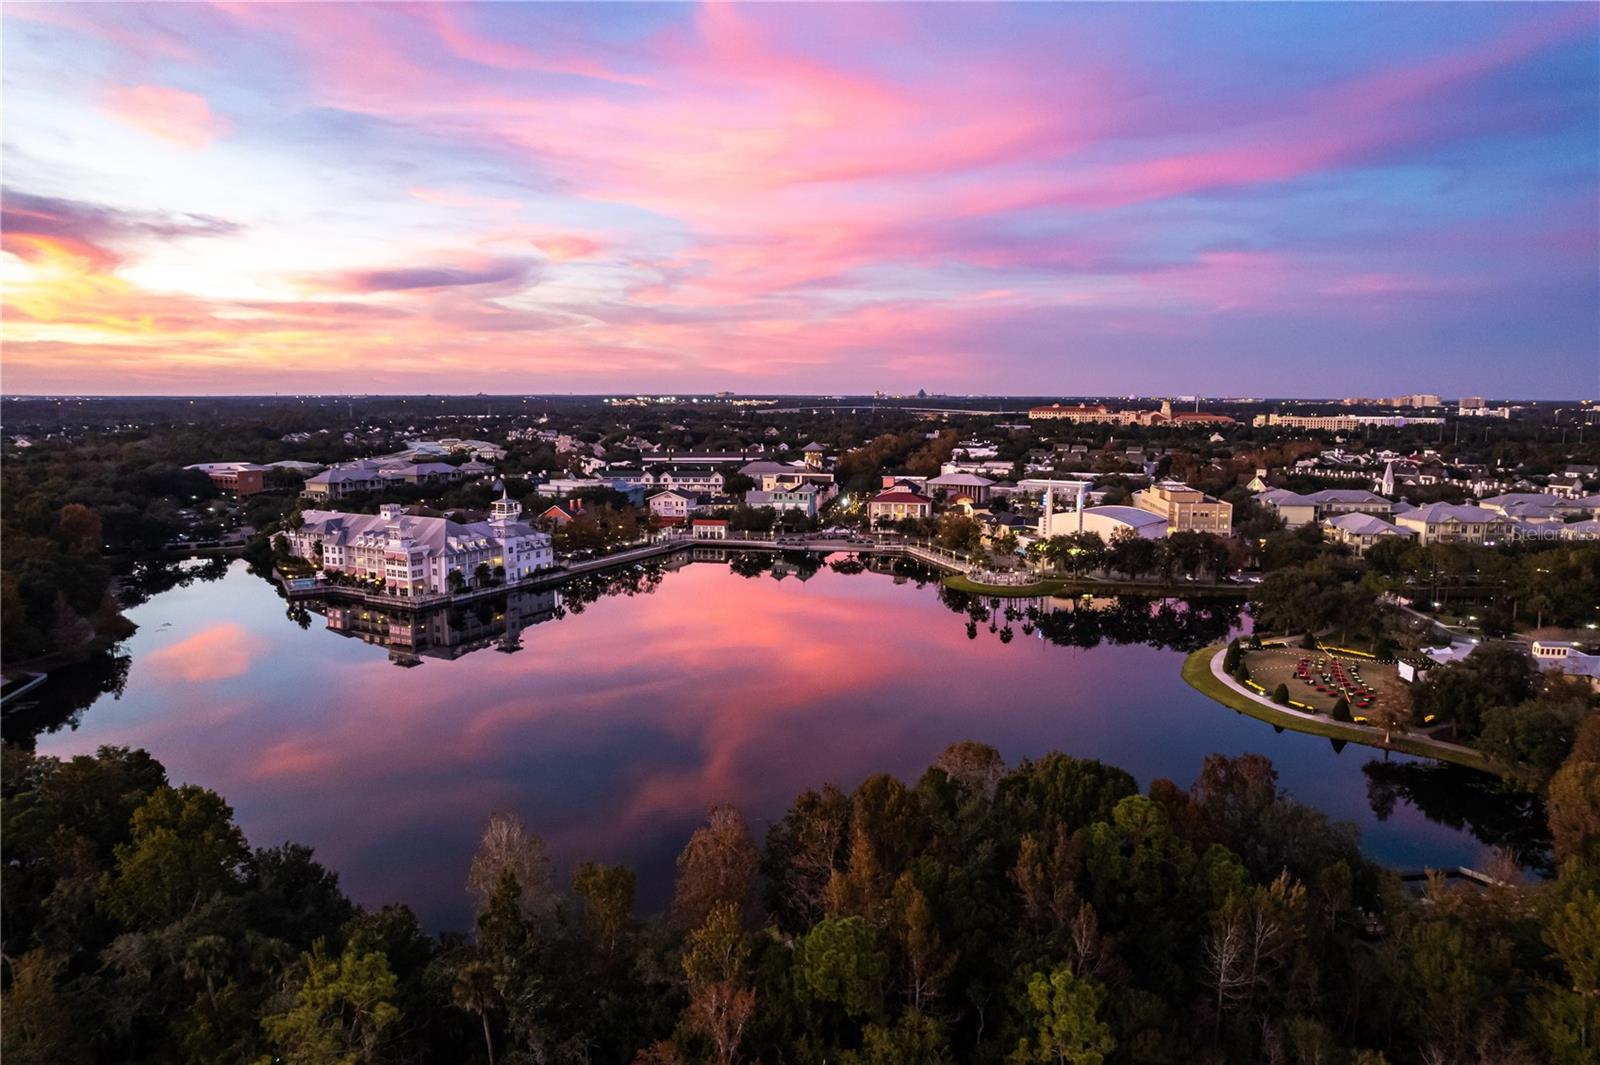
[808,499]
[410,555]
[241,478]
[1453,523]
[1550,655]
[671,505]
[559,515]
[897,504]
[1186,509]
[708,529]
[814,454]
[1361,531]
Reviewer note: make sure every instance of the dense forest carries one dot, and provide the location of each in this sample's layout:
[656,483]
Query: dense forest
[1047,912]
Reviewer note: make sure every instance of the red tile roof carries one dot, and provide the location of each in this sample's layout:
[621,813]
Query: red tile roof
[901,497]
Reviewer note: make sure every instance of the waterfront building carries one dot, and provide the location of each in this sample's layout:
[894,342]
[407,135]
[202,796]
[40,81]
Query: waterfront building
[708,528]
[1186,509]
[898,504]
[412,555]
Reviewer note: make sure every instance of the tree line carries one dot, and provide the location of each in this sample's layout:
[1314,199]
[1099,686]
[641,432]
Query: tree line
[1043,912]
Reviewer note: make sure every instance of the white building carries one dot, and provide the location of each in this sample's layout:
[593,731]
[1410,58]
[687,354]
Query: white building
[671,505]
[1297,510]
[808,499]
[1452,523]
[416,556]
[1105,521]
[1361,531]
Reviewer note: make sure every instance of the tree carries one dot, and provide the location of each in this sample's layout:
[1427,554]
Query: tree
[78,530]
[915,1037]
[714,960]
[473,990]
[842,961]
[1064,1023]
[481,575]
[975,766]
[718,864]
[184,849]
[1572,803]
[606,892]
[508,847]
[341,1010]
[1280,695]
[1131,554]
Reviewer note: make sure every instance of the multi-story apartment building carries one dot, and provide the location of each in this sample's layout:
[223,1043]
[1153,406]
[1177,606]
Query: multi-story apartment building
[1186,509]
[1297,510]
[412,555]
[1361,531]
[1078,414]
[1453,523]
[1338,423]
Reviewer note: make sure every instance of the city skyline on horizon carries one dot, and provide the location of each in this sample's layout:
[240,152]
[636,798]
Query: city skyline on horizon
[1283,202]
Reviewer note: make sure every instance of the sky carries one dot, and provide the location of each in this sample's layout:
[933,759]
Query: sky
[1074,199]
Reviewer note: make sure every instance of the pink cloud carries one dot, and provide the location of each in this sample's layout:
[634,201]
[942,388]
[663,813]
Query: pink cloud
[217,653]
[172,114]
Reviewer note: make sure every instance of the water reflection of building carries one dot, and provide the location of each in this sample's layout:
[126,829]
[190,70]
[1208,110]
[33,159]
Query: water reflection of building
[447,632]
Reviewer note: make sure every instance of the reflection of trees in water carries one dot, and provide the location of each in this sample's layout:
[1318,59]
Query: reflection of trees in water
[1176,624]
[579,592]
[145,580]
[61,700]
[1497,813]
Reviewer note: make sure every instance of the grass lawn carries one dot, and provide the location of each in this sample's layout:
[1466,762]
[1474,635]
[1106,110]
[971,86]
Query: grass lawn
[1197,672]
[1048,586]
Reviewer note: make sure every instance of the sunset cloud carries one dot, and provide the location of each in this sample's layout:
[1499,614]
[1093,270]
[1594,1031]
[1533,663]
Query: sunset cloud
[183,118]
[797,197]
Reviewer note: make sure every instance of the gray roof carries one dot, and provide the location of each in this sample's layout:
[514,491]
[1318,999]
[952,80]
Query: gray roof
[1367,525]
[1135,516]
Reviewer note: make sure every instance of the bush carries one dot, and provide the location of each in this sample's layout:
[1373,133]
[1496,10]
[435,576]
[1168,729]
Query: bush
[1231,658]
[1309,642]
[1242,674]
[1280,695]
[1341,709]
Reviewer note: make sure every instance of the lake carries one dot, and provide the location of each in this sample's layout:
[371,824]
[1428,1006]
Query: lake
[629,707]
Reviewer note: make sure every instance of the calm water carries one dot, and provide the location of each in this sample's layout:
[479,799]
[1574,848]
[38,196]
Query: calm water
[612,729]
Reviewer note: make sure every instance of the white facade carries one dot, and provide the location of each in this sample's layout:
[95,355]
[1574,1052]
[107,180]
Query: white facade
[416,556]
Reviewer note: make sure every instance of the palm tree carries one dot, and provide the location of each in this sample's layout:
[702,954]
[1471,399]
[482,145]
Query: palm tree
[473,991]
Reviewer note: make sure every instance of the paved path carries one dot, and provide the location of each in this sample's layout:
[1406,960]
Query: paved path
[1444,747]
